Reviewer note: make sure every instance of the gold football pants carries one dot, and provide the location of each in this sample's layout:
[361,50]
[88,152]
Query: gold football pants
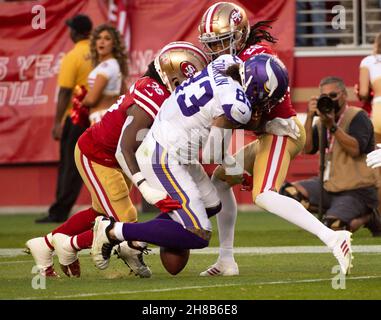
[109,188]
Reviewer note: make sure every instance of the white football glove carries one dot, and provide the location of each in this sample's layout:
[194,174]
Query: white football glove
[231,166]
[283,127]
[373,159]
[151,195]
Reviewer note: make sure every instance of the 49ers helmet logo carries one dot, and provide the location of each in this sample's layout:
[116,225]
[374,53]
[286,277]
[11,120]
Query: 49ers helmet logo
[236,17]
[188,69]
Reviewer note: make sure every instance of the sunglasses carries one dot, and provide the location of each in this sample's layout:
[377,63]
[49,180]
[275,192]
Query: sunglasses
[333,94]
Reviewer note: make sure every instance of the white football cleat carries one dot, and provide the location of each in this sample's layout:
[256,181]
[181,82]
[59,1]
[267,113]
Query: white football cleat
[132,255]
[221,269]
[67,255]
[42,255]
[342,251]
[102,247]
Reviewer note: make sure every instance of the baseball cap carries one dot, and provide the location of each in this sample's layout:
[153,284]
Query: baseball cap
[80,23]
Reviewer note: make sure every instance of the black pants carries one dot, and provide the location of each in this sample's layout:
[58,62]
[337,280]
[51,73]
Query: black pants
[69,181]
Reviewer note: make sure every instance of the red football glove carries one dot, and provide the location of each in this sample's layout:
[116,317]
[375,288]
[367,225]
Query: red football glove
[247,183]
[168,204]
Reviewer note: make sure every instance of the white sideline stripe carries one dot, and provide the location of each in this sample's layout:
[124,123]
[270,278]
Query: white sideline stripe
[82,295]
[13,252]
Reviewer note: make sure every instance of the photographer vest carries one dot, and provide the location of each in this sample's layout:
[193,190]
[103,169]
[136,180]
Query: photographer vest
[346,172]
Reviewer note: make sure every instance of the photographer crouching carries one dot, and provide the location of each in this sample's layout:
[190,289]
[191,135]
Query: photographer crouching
[349,186]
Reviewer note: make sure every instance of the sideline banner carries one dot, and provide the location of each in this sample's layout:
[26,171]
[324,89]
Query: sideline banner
[34,37]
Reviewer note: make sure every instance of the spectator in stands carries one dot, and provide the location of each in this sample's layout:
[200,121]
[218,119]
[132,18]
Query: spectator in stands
[106,80]
[75,68]
[350,192]
[317,17]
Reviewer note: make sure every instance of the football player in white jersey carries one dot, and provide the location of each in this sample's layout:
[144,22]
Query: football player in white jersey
[220,96]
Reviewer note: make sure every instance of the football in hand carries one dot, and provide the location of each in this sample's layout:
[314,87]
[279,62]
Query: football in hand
[174,260]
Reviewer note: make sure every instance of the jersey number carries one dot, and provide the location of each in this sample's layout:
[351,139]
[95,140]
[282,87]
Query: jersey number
[196,102]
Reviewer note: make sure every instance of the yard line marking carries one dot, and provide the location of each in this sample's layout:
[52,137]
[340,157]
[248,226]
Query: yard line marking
[83,295]
[12,262]
[14,252]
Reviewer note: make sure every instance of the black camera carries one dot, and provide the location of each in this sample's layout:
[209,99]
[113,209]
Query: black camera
[325,104]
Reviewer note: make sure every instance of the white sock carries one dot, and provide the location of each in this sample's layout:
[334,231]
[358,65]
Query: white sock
[118,230]
[292,211]
[226,220]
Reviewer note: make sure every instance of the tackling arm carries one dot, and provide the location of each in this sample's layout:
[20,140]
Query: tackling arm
[131,137]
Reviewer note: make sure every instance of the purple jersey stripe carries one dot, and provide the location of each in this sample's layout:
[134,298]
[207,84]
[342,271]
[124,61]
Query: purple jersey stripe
[157,167]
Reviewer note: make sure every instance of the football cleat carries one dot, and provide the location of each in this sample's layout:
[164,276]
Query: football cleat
[132,255]
[102,246]
[67,255]
[42,255]
[342,251]
[221,269]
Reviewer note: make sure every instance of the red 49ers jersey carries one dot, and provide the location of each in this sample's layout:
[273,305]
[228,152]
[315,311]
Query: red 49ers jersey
[99,142]
[283,110]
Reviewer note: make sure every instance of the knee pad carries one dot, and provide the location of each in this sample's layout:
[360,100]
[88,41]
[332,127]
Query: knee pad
[335,223]
[289,190]
[213,210]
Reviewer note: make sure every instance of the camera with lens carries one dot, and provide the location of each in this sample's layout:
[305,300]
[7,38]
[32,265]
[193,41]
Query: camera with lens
[325,104]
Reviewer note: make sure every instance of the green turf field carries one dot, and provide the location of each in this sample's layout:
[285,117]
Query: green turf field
[262,276]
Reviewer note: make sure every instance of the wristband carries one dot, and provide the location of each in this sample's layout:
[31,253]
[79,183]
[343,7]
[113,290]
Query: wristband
[138,179]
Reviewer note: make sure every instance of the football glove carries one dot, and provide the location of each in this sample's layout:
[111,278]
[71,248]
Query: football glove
[283,127]
[153,196]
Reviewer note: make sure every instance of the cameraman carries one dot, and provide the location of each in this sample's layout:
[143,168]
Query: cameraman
[350,192]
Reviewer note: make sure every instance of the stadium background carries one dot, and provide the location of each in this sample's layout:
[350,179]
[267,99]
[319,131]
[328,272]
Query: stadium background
[29,61]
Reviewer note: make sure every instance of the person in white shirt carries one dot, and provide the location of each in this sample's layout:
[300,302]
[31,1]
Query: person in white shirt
[370,89]
[370,80]
[106,80]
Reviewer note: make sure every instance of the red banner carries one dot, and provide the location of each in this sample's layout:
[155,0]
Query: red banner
[34,37]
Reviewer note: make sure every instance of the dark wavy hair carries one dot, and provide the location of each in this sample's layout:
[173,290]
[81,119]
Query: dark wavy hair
[259,34]
[118,50]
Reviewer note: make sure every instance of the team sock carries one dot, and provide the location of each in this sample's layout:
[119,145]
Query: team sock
[78,223]
[83,240]
[161,232]
[226,219]
[292,211]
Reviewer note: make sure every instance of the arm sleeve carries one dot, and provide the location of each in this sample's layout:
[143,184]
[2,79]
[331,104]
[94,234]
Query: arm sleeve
[361,129]
[68,72]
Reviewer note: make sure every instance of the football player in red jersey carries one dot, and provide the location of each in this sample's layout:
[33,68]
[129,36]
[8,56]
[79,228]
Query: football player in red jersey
[96,153]
[224,28]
